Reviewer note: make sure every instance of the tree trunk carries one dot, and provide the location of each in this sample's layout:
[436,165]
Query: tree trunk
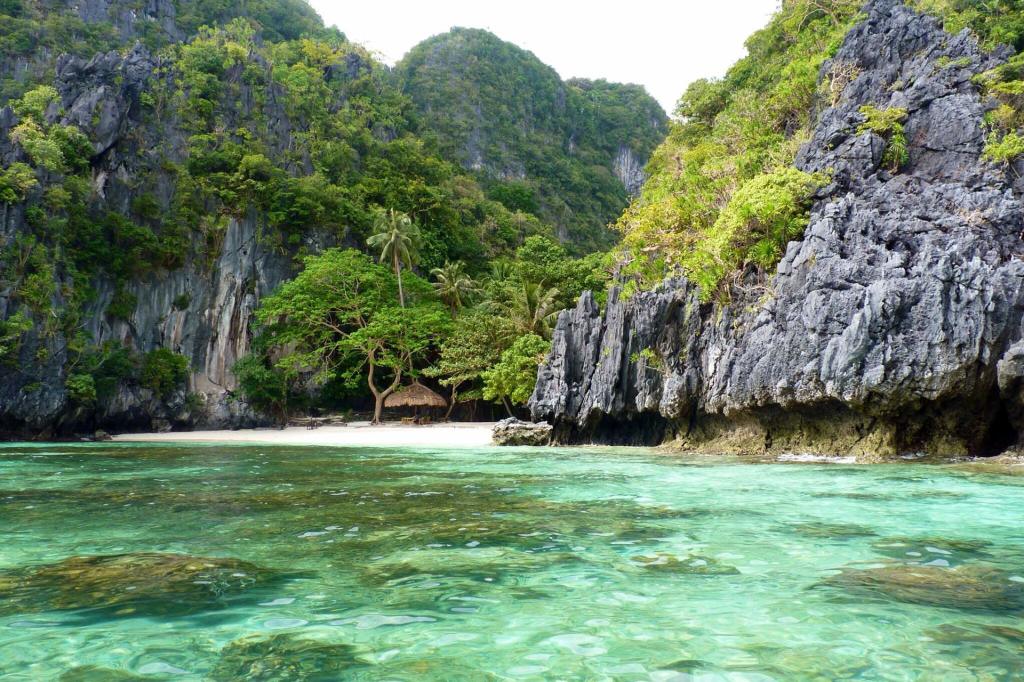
[508,408]
[379,396]
[451,403]
[398,274]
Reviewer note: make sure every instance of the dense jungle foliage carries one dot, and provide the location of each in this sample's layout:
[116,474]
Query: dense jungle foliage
[536,143]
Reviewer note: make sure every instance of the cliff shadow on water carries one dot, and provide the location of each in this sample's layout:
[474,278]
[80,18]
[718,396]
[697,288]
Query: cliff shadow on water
[893,327]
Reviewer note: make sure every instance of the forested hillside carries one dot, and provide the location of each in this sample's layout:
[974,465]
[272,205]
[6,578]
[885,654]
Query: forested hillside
[568,152]
[167,168]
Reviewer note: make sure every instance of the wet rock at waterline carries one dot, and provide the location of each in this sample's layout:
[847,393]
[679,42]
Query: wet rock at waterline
[516,432]
[125,585]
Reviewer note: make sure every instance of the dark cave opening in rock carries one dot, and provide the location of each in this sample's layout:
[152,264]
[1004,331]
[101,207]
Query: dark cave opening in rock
[647,429]
[1000,435]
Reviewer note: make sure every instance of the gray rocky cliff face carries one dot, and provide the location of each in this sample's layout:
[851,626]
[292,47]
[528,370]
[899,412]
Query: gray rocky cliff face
[222,288]
[629,170]
[894,326]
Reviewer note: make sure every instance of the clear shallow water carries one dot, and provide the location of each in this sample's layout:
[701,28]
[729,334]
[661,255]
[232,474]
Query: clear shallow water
[500,564]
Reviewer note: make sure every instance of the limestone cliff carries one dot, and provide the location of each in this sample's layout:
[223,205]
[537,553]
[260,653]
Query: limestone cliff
[211,329]
[894,326]
[172,175]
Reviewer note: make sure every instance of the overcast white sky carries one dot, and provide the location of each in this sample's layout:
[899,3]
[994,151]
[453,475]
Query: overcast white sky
[663,45]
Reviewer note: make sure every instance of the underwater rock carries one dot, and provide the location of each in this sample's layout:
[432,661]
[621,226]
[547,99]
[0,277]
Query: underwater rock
[690,565]
[832,531]
[971,588]
[989,652]
[516,432]
[284,657]
[925,549]
[138,584]
[975,632]
[493,565]
[94,673]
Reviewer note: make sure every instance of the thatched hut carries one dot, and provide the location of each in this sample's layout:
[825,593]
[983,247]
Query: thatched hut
[416,395]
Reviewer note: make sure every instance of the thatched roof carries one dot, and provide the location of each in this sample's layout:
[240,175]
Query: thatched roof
[416,395]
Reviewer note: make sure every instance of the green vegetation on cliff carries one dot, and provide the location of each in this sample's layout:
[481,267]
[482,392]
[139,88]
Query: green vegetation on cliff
[723,197]
[722,193]
[34,33]
[994,23]
[537,144]
[253,113]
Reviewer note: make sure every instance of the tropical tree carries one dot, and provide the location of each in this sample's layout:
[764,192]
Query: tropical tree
[513,379]
[501,270]
[337,320]
[453,285]
[392,343]
[398,240]
[475,345]
[533,307]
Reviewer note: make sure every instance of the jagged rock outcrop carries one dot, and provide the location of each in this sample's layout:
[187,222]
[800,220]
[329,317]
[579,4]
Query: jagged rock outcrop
[894,326]
[513,431]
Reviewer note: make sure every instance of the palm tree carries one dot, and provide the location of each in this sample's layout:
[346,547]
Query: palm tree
[453,285]
[501,270]
[398,239]
[533,308]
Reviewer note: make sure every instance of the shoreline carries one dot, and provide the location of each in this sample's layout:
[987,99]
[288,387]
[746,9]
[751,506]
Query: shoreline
[355,434]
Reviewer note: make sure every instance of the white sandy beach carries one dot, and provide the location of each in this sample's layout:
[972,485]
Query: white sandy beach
[452,435]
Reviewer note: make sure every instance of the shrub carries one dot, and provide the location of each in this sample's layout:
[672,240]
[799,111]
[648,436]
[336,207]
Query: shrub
[182,301]
[15,182]
[109,365]
[81,389]
[993,23]
[33,103]
[761,217]
[163,371]
[122,305]
[43,151]
[264,387]
[887,123]
[38,286]
[11,331]
[1005,149]
[514,377]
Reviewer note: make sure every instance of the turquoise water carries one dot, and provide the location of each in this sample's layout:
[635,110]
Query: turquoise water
[123,562]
